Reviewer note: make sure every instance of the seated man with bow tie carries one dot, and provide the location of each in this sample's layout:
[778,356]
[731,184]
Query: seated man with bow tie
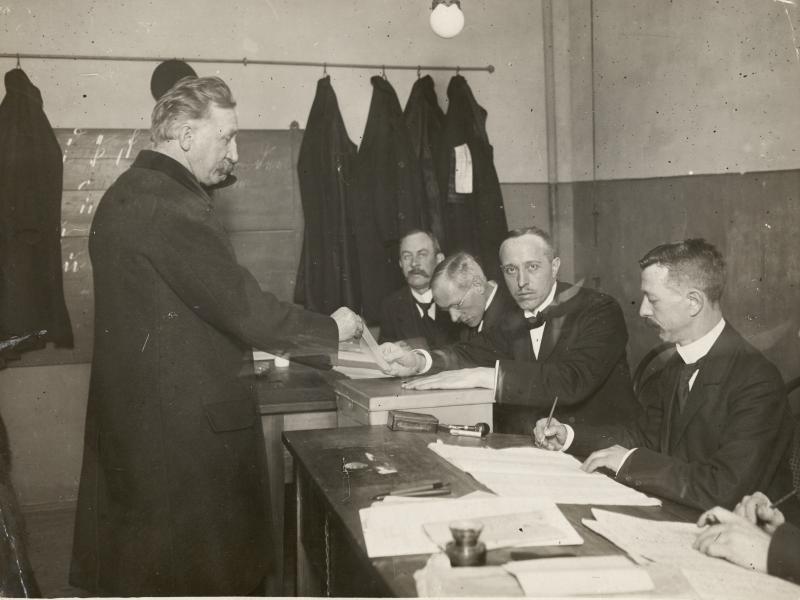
[716,424]
[556,339]
[410,314]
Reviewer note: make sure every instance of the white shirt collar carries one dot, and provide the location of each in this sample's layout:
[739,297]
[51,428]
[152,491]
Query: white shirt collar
[426,297]
[488,302]
[547,302]
[691,353]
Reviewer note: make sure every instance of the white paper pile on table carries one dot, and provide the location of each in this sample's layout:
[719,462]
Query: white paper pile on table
[422,526]
[670,543]
[535,473]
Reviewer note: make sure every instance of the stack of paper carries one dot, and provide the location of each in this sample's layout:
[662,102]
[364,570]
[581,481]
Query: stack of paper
[422,527]
[670,543]
[579,576]
[535,473]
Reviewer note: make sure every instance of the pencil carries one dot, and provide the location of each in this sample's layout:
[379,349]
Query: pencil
[550,416]
[782,499]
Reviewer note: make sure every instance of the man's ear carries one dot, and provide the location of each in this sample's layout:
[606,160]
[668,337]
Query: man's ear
[556,267]
[439,257]
[185,137]
[697,301]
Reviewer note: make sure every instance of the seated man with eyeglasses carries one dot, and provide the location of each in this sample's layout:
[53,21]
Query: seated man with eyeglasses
[554,339]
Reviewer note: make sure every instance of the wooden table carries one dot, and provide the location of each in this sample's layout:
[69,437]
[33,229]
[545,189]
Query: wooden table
[295,397]
[331,555]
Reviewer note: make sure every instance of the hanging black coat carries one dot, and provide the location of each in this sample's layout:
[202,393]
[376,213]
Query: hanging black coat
[389,197]
[473,222]
[328,273]
[425,121]
[31,288]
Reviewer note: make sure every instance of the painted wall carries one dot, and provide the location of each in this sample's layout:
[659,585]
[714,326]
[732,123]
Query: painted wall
[44,406]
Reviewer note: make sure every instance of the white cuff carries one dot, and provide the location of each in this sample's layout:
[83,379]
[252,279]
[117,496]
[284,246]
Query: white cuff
[496,375]
[428,360]
[570,438]
[624,458]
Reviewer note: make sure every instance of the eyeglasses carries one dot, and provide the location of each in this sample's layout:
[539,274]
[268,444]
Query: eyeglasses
[461,302]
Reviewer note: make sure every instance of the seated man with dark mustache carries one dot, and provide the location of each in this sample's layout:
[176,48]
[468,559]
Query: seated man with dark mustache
[410,314]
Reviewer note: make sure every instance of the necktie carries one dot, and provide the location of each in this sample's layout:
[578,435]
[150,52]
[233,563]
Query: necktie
[425,306]
[683,383]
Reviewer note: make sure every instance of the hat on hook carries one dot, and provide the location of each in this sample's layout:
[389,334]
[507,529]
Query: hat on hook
[167,74]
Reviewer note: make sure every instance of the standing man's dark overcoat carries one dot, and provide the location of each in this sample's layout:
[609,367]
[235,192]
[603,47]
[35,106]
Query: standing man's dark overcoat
[172,495]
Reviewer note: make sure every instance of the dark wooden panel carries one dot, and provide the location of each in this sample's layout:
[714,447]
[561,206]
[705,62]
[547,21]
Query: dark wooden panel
[754,219]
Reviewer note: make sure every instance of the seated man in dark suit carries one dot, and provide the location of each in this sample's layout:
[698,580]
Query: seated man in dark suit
[716,423]
[410,314]
[460,287]
[559,340]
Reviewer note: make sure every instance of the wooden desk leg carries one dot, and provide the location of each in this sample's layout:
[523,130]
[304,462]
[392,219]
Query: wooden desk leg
[306,579]
[272,426]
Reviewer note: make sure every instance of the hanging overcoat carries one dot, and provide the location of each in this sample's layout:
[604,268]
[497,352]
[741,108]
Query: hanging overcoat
[475,222]
[173,496]
[389,197]
[328,275]
[425,121]
[31,287]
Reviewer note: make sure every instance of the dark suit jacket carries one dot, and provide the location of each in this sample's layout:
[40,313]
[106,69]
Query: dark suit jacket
[31,287]
[172,497]
[581,360]
[502,304]
[400,320]
[783,559]
[730,439]
[328,275]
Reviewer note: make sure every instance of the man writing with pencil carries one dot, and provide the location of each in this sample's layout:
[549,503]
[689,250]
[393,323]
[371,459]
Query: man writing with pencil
[716,423]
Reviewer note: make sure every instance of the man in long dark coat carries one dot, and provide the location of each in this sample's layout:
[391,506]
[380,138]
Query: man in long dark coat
[172,495]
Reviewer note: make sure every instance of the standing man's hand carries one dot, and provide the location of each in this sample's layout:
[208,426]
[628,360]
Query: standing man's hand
[552,438]
[349,323]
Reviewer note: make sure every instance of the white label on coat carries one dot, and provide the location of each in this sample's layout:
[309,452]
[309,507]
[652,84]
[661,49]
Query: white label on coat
[463,169]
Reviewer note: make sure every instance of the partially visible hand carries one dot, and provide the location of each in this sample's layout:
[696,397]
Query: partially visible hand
[733,538]
[349,323]
[552,438]
[478,377]
[402,362]
[756,509]
[610,458]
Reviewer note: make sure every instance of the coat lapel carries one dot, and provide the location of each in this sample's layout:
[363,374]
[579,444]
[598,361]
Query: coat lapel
[552,333]
[706,385]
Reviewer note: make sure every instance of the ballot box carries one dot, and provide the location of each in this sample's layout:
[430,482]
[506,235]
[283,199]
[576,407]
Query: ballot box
[368,402]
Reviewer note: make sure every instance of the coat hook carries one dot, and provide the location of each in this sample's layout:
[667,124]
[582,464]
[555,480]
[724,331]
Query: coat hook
[419,71]
[324,69]
[244,61]
[458,70]
[18,65]
[383,71]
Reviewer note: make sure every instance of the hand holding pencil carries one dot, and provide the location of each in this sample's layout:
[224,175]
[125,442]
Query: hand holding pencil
[548,433]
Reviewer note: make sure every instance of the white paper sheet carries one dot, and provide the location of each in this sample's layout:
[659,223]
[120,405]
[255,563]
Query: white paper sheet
[670,543]
[580,575]
[397,529]
[536,473]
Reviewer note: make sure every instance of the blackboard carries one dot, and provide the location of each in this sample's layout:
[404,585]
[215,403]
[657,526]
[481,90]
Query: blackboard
[261,211]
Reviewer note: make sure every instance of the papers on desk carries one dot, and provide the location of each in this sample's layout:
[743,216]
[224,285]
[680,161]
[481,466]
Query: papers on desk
[579,576]
[670,543]
[422,526]
[360,359]
[535,473]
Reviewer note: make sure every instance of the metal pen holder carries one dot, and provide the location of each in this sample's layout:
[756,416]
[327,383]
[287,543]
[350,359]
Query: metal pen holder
[466,550]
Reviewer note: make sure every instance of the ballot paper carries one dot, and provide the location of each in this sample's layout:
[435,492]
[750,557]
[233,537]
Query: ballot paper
[360,359]
[399,529]
[536,473]
[579,576]
[670,543]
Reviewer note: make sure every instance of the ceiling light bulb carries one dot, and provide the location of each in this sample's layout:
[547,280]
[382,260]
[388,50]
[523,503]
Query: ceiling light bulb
[447,20]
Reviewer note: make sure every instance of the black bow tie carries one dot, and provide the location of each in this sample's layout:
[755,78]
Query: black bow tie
[537,321]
